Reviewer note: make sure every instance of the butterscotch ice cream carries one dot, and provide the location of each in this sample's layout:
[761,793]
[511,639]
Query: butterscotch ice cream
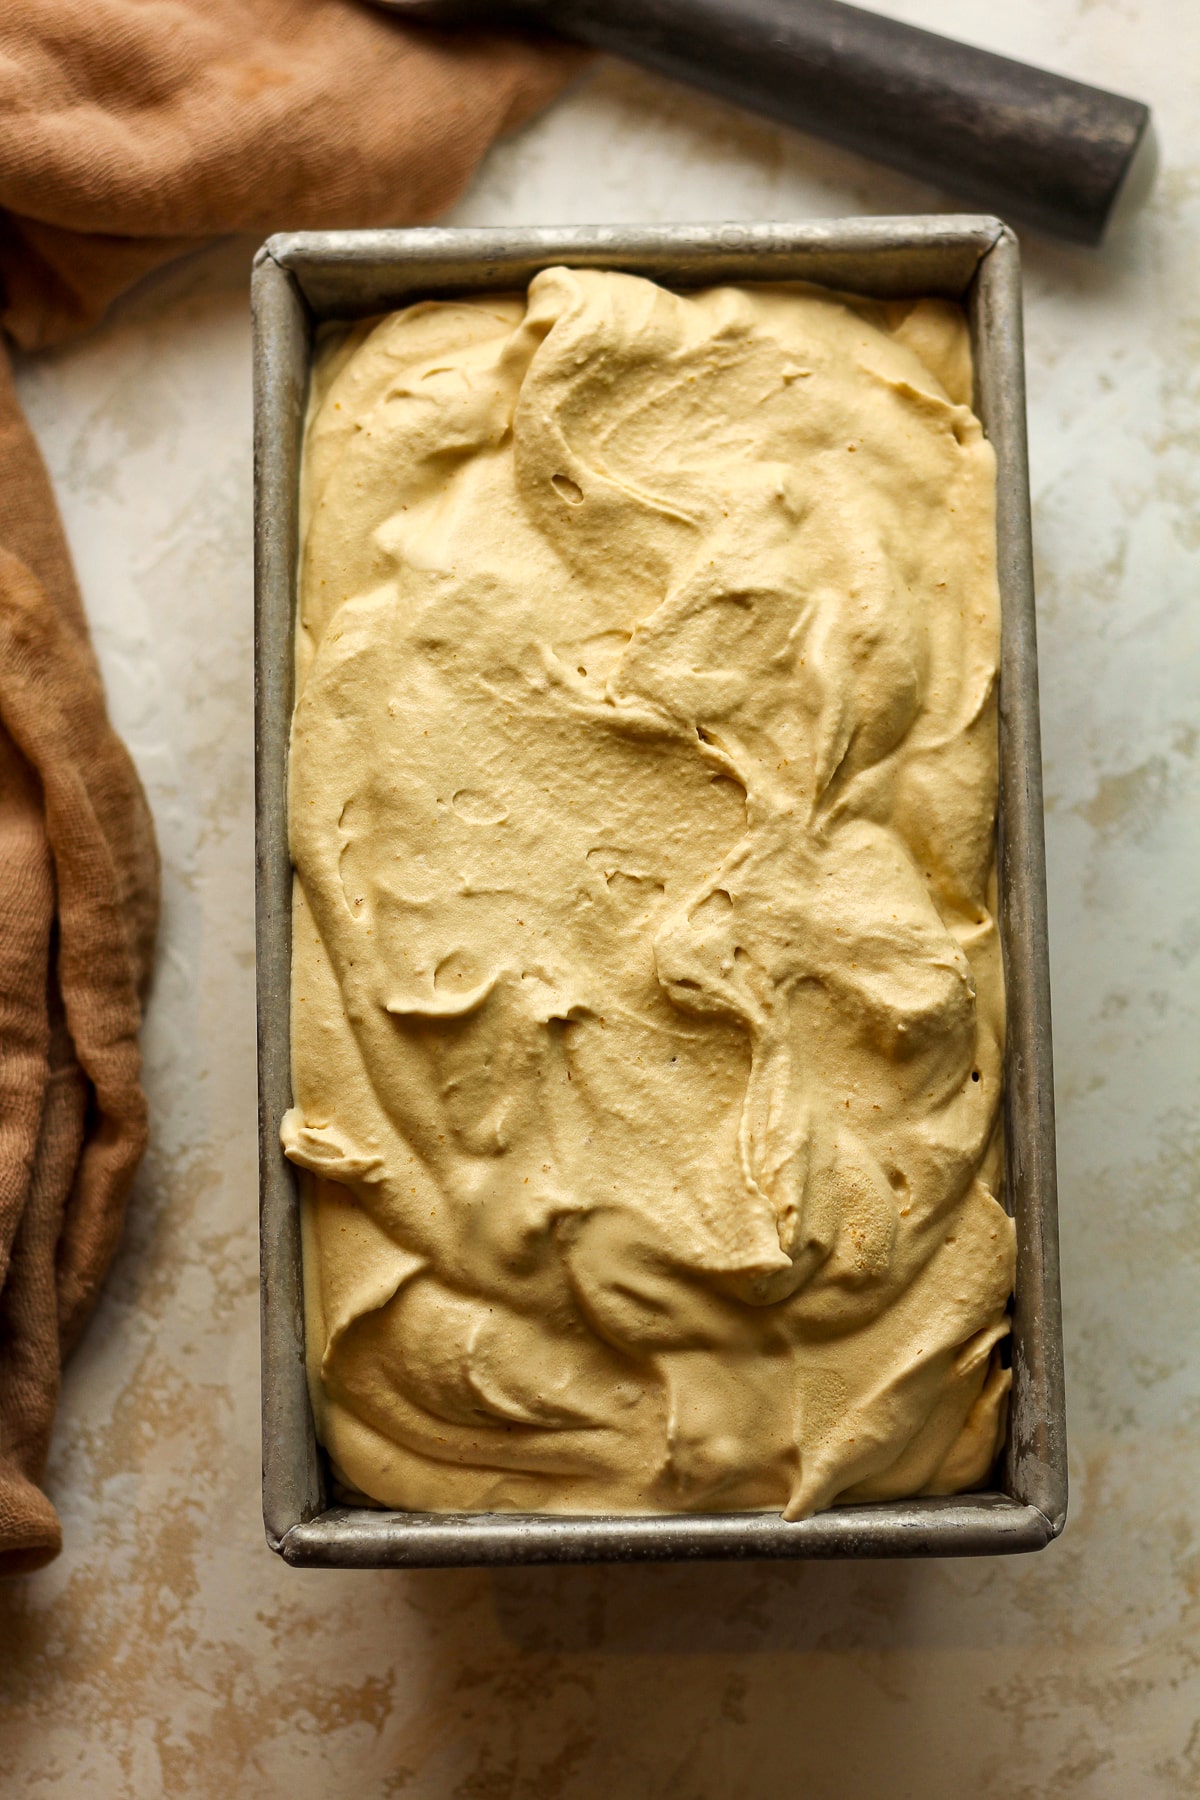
[647,996]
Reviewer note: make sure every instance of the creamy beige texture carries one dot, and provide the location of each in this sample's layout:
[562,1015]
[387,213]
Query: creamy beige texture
[647,995]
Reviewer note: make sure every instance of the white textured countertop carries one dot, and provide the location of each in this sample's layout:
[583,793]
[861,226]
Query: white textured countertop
[167,1652]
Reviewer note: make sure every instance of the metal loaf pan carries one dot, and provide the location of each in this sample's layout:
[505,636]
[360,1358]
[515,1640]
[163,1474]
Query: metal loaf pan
[303,278]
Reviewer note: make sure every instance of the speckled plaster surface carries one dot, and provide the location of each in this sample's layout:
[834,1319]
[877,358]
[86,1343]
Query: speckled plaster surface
[167,1652]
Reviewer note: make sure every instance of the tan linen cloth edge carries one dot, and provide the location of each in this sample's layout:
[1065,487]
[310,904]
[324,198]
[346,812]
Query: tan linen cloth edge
[130,131]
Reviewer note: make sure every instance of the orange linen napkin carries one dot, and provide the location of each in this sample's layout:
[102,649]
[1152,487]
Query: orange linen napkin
[130,131]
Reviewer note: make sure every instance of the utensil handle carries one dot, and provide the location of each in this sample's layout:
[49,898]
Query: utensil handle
[1018,140]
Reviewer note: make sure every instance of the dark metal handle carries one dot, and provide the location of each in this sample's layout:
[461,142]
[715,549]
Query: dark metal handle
[1018,140]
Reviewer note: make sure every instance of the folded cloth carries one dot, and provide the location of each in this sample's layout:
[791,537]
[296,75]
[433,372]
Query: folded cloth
[130,131]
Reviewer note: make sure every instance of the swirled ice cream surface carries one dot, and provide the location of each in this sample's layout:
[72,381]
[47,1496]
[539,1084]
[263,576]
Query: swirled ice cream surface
[647,997]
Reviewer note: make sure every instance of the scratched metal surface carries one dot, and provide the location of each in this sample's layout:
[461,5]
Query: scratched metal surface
[308,277]
[167,1652]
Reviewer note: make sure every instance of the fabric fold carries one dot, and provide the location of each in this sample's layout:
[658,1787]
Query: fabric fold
[131,132]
